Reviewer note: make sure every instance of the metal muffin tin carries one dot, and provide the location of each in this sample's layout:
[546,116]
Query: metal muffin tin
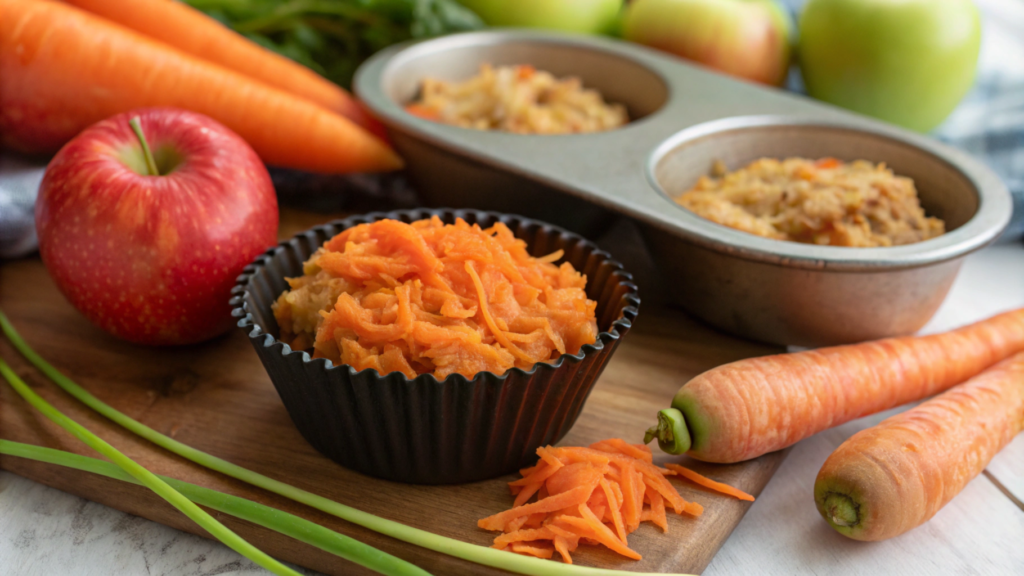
[684,118]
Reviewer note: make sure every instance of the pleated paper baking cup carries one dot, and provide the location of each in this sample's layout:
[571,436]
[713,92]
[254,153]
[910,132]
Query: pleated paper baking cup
[426,431]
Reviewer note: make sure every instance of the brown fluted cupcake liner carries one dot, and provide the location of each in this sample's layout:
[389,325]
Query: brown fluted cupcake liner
[423,430]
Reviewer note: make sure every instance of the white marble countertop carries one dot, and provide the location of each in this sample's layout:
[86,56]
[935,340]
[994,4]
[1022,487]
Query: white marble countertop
[44,531]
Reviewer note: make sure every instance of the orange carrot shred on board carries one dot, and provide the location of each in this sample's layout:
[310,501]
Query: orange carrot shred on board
[589,526]
[527,493]
[516,524]
[658,512]
[591,495]
[668,492]
[526,535]
[576,496]
[562,546]
[620,446]
[709,483]
[615,509]
[540,550]
[631,511]
[539,475]
[693,509]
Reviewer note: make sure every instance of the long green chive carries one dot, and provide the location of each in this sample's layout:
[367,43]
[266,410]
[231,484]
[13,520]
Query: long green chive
[145,477]
[271,518]
[464,550]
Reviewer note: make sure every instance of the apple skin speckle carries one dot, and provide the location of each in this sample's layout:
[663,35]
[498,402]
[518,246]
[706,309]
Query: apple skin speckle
[152,259]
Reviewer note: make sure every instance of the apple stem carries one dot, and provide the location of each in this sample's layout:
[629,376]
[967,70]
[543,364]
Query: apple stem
[150,162]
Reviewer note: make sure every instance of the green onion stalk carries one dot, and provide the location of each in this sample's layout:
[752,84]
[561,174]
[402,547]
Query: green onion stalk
[271,518]
[471,552]
[145,477]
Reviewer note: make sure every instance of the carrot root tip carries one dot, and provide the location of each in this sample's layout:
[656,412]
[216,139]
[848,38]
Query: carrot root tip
[841,510]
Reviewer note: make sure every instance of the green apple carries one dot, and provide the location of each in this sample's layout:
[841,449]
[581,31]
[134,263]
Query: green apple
[908,62]
[584,16]
[745,38]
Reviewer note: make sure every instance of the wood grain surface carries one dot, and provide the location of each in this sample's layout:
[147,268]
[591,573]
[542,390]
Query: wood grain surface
[217,398]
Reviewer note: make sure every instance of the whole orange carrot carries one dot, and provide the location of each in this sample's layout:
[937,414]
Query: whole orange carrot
[189,30]
[751,407]
[893,477]
[63,70]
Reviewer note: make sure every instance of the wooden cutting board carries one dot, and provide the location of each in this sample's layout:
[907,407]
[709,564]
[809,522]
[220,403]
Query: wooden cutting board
[217,398]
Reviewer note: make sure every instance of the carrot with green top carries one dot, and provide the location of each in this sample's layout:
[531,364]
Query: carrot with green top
[895,476]
[179,25]
[751,407]
[63,70]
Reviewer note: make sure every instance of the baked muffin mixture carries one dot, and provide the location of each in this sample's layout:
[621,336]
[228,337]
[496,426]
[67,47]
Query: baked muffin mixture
[829,202]
[518,99]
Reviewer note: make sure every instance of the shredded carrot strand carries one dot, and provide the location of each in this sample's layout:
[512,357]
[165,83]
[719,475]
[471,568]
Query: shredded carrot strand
[595,495]
[527,492]
[562,546]
[614,506]
[574,497]
[485,310]
[533,549]
[658,512]
[553,257]
[709,483]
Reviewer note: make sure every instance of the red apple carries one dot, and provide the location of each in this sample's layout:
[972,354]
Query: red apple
[745,38]
[152,258]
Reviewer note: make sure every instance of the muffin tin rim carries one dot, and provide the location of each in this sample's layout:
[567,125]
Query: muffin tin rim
[644,200]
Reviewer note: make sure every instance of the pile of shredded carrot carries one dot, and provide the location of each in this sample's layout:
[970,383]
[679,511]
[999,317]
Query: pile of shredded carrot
[433,298]
[595,495]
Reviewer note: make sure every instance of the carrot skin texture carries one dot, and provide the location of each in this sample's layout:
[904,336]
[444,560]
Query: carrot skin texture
[742,410]
[895,476]
[64,70]
[179,25]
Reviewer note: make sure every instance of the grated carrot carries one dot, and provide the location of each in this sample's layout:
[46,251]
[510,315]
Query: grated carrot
[435,298]
[576,496]
[709,483]
[588,526]
[516,524]
[615,509]
[562,546]
[527,492]
[658,512]
[537,476]
[501,542]
[620,446]
[593,495]
[631,512]
[537,549]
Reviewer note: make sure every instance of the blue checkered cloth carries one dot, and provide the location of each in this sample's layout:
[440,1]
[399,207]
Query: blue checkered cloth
[989,124]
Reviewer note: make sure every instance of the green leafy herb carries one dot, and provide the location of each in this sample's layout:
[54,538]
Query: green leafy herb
[333,37]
